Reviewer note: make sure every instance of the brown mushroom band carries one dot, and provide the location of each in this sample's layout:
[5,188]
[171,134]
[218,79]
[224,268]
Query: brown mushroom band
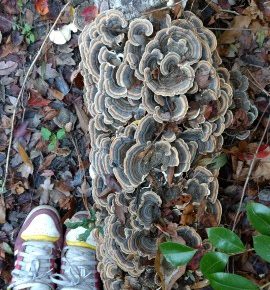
[159,102]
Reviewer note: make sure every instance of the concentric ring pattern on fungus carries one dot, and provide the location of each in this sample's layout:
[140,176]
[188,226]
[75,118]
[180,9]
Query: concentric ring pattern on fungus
[159,102]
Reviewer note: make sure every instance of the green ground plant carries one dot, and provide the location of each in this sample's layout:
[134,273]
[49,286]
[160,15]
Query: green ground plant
[226,244]
[52,137]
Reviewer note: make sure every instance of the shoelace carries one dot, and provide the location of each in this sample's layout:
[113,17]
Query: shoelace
[35,265]
[78,269]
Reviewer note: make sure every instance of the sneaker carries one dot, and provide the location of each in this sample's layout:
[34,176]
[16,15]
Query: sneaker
[78,261]
[38,244]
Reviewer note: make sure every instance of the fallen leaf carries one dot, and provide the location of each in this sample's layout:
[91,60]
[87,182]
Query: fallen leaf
[2,210]
[24,156]
[56,94]
[89,13]
[48,72]
[36,100]
[46,162]
[7,67]
[21,130]
[77,79]
[42,7]
[231,35]
[83,118]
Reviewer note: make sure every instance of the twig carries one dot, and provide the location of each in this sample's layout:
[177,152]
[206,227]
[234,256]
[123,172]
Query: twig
[236,29]
[20,96]
[265,285]
[249,174]
[84,198]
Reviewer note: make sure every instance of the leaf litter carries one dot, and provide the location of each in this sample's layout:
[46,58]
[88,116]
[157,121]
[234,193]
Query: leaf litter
[43,174]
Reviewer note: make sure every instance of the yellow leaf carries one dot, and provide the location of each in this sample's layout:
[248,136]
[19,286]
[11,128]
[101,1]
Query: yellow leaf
[230,36]
[24,156]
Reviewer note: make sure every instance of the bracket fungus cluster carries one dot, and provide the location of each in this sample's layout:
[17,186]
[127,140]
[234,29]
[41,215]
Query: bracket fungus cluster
[159,102]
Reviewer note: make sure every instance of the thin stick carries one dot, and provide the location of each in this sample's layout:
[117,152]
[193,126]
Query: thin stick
[235,29]
[84,197]
[249,174]
[20,96]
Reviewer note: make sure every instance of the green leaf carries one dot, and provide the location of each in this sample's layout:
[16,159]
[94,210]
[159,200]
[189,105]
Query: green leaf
[225,240]
[262,247]
[213,262]
[214,163]
[53,142]
[261,37]
[83,237]
[32,37]
[176,254]
[27,27]
[259,216]
[227,281]
[46,133]
[219,161]
[84,222]
[7,249]
[61,134]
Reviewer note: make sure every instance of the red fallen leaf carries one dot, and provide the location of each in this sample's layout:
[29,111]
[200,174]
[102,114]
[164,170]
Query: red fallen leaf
[89,13]
[42,7]
[36,100]
[263,152]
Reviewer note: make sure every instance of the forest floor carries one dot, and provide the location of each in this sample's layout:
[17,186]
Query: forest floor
[48,158]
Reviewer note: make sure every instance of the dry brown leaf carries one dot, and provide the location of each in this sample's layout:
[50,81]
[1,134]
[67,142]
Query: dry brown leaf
[7,67]
[63,187]
[83,118]
[46,162]
[230,36]
[2,211]
[56,94]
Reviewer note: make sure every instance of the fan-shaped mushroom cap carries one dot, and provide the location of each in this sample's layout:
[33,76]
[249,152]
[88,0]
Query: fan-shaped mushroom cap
[202,184]
[164,109]
[111,26]
[140,160]
[203,32]
[158,102]
[138,29]
[143,244]
[191,237]
[239,81]
[146,209]
[245,113]
[183,155]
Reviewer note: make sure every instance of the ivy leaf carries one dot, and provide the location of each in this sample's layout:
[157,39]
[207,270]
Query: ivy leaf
[176,254]
[83,237]
[225,240]
[61,134]
[53,142]
[261,37]
[32,37]
[259,216]
[84,222]
[46,133]
[219,161]
[262,247]
[214,163]
[213,262]
[7,249]
[227,281]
